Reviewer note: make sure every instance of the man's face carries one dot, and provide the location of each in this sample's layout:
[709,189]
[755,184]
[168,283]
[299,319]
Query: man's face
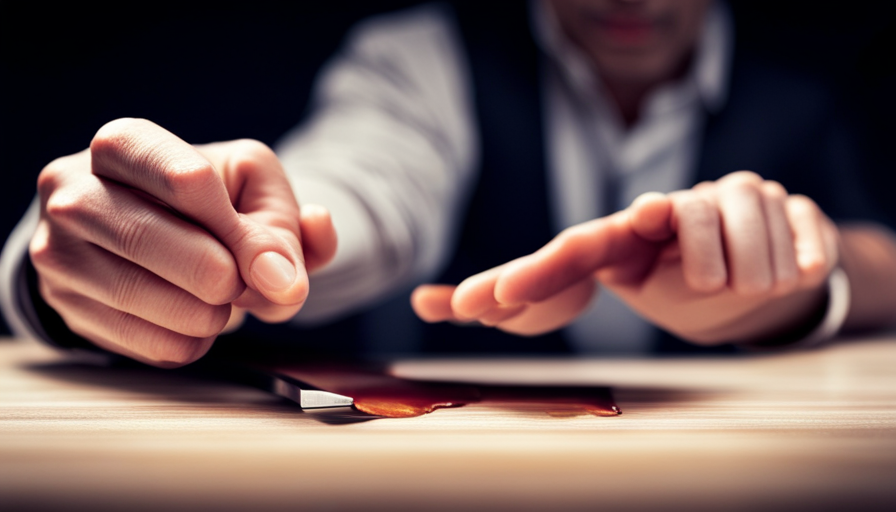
[634,41]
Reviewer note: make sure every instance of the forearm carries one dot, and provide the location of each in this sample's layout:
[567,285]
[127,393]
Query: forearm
[868,255]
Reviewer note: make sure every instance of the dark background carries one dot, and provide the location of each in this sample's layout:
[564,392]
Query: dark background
[245,69]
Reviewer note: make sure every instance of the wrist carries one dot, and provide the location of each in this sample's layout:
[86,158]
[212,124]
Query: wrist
[823,324]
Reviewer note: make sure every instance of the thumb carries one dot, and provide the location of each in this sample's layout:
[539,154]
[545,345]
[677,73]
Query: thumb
[266,240]
[270,260]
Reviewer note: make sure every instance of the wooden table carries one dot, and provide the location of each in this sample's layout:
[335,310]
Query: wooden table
[801,430]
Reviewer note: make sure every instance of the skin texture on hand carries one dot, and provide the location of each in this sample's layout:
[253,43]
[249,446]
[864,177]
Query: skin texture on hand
[148,246]
[734,260]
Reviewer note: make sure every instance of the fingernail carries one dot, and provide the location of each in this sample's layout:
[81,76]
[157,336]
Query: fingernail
[314,210]
[273,272]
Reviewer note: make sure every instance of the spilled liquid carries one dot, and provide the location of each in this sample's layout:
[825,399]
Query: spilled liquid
[378,393]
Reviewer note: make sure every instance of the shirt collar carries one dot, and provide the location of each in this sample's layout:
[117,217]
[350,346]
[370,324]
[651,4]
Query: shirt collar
[709,72]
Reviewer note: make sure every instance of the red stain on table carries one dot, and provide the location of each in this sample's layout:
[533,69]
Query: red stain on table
[378,393]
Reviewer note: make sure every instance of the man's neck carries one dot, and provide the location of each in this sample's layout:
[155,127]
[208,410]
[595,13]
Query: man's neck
[630,96]
[629,100]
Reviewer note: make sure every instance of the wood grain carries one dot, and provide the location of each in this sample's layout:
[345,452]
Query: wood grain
[802,430]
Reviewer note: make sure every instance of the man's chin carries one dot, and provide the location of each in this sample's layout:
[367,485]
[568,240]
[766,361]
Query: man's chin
[632,67]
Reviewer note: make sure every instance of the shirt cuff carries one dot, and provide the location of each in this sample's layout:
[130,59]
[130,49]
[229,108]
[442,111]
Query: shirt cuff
[824,324]
[835,315]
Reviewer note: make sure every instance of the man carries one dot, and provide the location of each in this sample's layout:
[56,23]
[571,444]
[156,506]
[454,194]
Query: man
[146,246]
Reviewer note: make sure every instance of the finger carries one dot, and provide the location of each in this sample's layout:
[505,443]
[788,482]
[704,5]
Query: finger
[500,314]
[651,216]
[432,303]
[475,295]
[700,241]
[783,256]
[707,189]
[553,313]
[142,155]
[140,230]
[709,192]
[574,255]
[263,309]
[812,251]
[125,334]
[147,157]
[121,285]
[318,236]
[745,233]
[237,317]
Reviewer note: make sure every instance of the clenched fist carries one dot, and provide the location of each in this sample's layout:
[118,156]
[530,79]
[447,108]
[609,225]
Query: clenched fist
[148,246]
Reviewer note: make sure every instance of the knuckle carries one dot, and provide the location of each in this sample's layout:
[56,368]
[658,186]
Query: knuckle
[774,190]
[814,272]
[65,206]
[115,136]
[569,240]
[704,187]
[572,236]
[52,175]
[40,250]
[804,202]
[803,207]
[254,148]
[250,153]
[743,178]
[190,180]
[251,157]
